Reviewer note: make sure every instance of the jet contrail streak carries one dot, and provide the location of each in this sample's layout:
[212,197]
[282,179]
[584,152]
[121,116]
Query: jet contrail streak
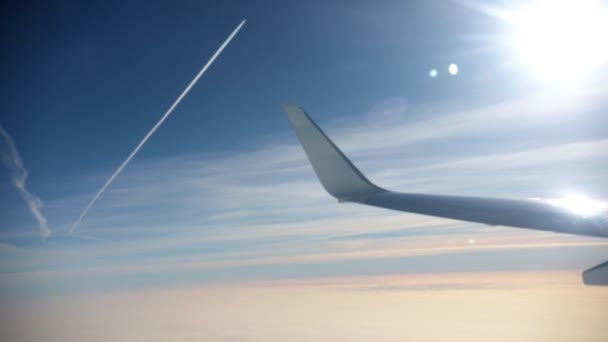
[162,119]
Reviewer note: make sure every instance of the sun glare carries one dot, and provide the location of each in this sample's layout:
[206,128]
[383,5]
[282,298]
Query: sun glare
[561,40]
[579,205]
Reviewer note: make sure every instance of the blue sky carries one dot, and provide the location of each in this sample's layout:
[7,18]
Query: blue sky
[224,190]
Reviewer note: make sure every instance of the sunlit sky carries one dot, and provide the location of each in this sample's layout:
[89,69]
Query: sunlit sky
[428,96]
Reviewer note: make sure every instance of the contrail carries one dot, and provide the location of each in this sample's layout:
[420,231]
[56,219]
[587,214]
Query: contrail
[13,162]
[162,119]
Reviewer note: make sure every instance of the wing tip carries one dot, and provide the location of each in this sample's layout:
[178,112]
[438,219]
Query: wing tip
[336,172]
[295,112]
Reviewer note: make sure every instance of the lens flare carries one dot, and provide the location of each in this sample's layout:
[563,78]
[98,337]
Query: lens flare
[453,69]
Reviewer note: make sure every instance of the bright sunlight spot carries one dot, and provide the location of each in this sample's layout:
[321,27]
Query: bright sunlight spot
[579,205]
[561,40]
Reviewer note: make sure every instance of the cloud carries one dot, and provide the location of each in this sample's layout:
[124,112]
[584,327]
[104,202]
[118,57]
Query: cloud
[260,211]
[496,150]
[12,159]
[470,306]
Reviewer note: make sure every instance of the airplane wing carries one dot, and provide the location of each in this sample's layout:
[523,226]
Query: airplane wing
[345,182]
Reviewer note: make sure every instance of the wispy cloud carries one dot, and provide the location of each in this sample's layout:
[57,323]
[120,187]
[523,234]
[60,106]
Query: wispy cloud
[12,159]
[202,218]
[506,149]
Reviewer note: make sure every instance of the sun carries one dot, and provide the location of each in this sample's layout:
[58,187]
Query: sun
[561,40]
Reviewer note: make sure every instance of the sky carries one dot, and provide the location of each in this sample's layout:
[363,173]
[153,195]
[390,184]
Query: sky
[221,206]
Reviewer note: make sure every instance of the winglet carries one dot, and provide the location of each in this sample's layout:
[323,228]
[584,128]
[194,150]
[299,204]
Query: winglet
[337,174]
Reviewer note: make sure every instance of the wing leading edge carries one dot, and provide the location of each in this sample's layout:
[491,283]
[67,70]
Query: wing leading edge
[344,181]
